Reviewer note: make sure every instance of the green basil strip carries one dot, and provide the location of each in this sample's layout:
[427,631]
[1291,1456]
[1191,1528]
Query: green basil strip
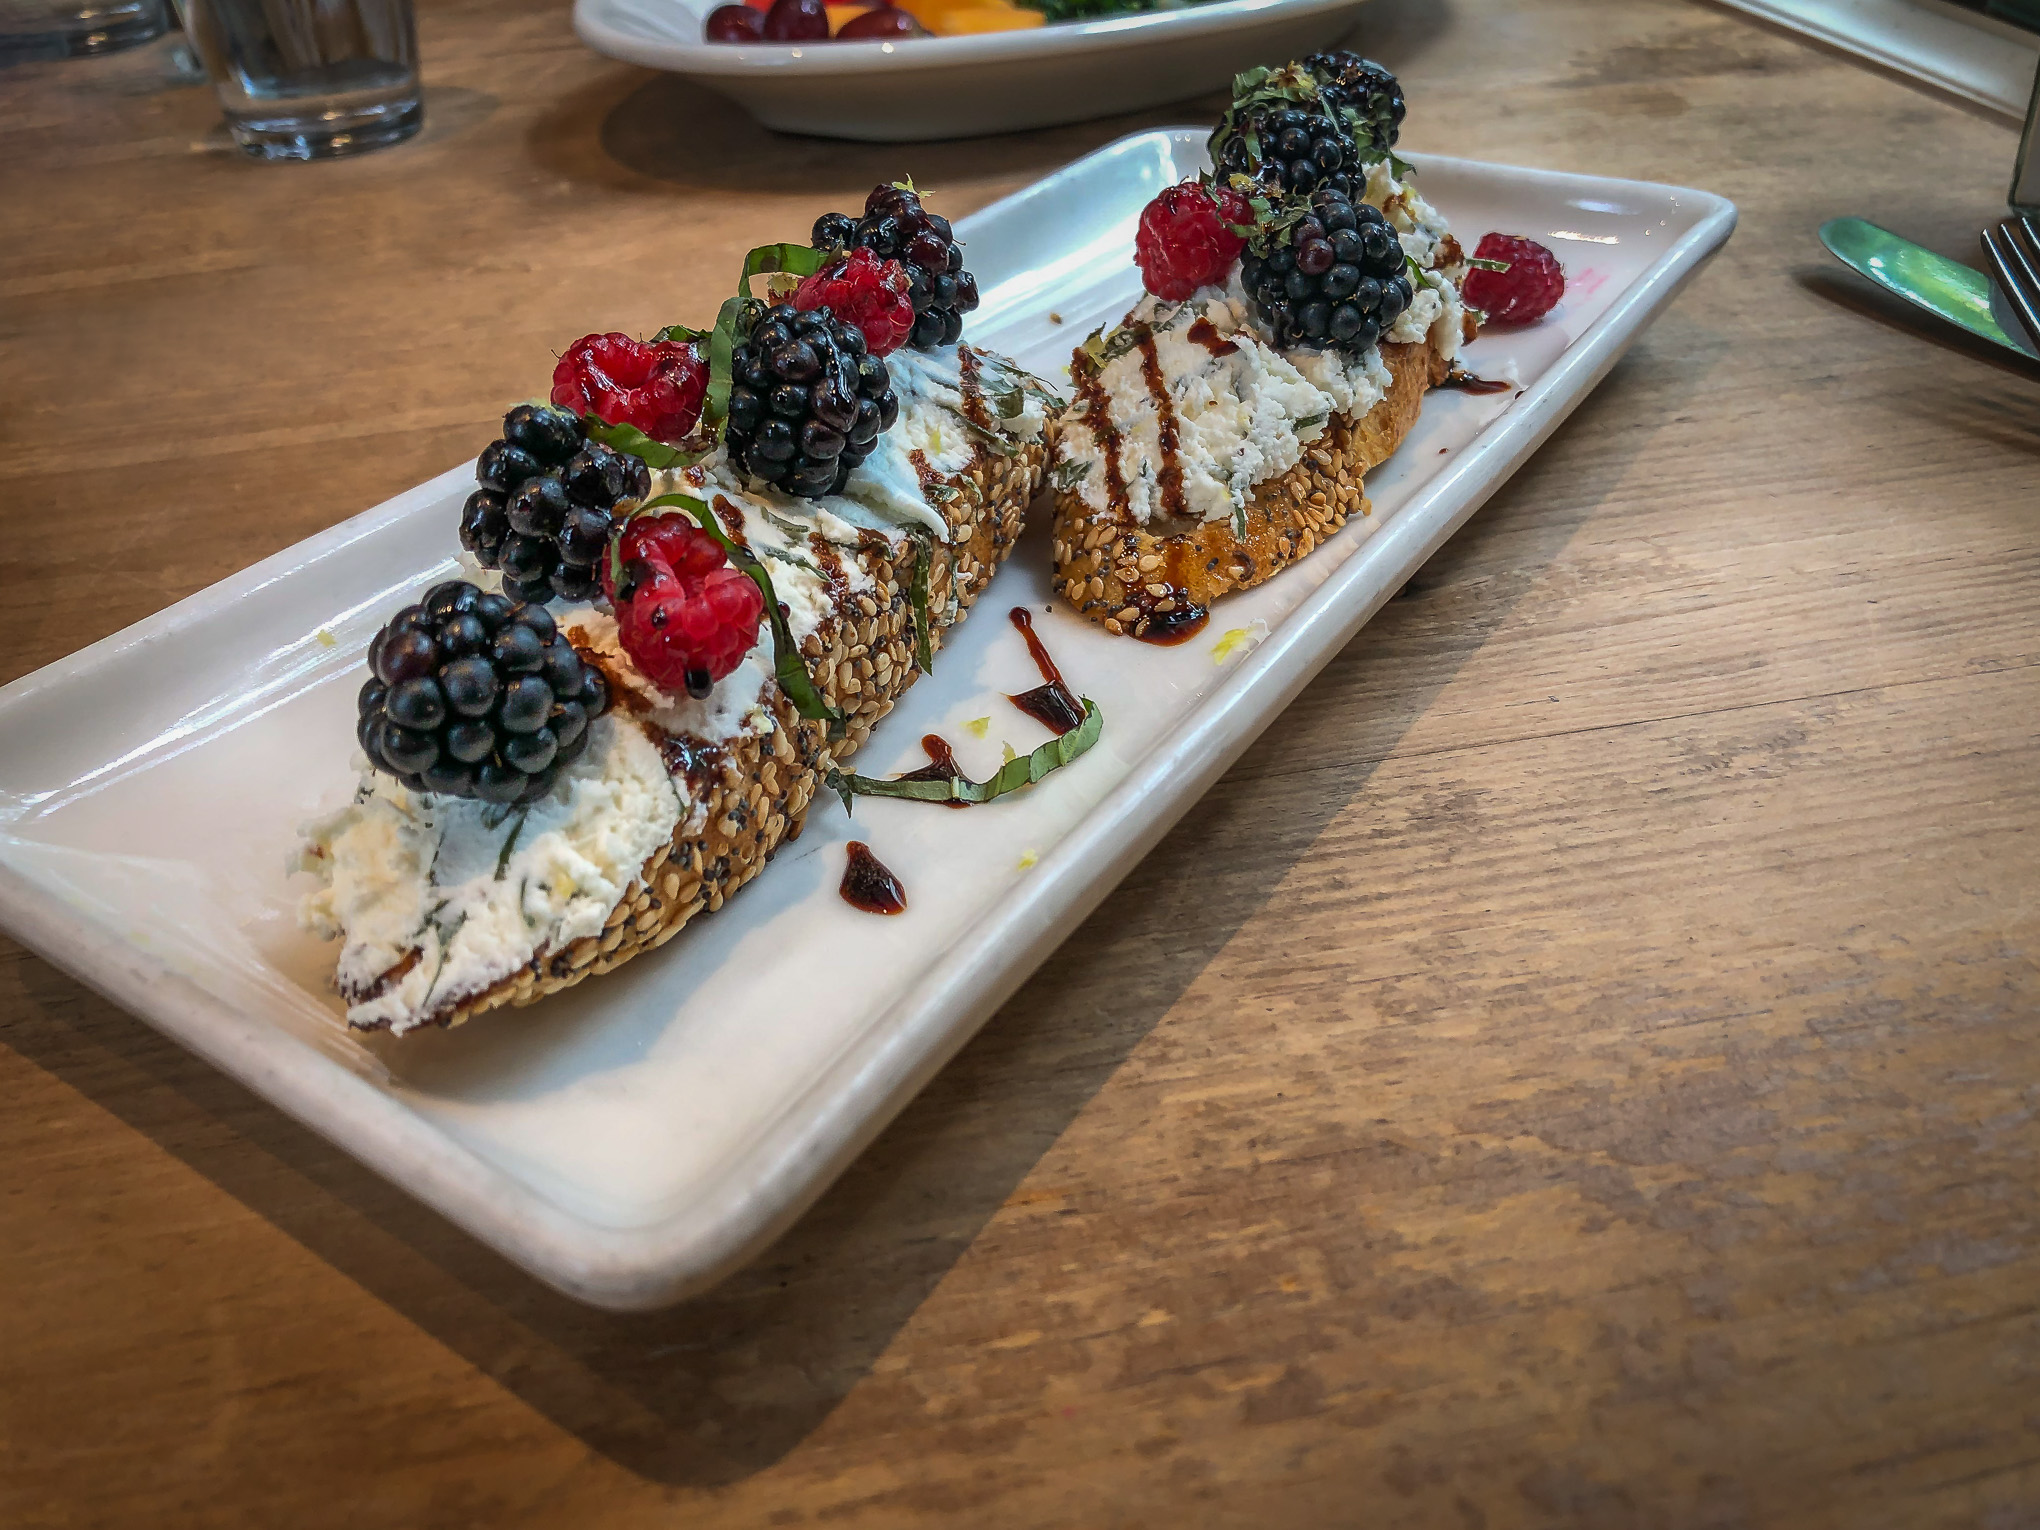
[679,332]
[628,438]
[793,259]
[722,347]
[917,590]
[510,843]
[1481,264]
[787,666]
[1024,770]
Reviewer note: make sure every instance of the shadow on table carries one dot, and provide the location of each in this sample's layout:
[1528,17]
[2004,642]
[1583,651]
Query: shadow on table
[1865,297]
[721,1387]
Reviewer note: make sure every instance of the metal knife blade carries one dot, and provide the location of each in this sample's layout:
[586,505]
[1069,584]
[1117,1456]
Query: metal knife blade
[1944,287]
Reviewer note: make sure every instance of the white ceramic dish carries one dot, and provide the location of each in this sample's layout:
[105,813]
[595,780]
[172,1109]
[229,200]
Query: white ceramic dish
[955,87]
[1963,52]
[634,1139]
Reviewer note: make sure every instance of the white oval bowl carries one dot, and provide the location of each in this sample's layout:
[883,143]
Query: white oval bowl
[958,87]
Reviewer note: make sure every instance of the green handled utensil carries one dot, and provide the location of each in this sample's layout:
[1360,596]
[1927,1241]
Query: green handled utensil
[1942,286]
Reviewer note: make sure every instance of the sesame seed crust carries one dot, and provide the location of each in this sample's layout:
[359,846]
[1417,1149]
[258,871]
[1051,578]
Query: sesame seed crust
[1120,574]
[752,794]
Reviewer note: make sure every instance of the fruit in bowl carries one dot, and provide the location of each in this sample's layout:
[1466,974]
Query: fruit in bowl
[799,21]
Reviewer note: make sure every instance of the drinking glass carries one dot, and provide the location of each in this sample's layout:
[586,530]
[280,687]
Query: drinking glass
[308,79]
[32,29]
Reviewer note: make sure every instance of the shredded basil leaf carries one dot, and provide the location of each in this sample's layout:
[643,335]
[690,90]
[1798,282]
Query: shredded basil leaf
[629,439]
[1023,770]
[510,843]
[793,259]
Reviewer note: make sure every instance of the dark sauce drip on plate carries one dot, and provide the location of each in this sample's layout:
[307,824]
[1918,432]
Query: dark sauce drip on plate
[941,765]
[1466,382]
[869,885]
[1165,629]
[1049,703]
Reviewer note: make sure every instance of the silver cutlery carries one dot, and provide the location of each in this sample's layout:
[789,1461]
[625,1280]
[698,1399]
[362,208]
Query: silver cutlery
[2013,250]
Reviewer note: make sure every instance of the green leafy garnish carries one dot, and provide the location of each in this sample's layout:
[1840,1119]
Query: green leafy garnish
[1104,348]
[1024,770]
[1481,263]
[510,843]
[787,665]
[791,559]
[737,315]
[1068,473]
[793,259]
[628,438]
[1014,385]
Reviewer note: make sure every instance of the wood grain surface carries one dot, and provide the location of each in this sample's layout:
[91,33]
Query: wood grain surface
[1580,1069]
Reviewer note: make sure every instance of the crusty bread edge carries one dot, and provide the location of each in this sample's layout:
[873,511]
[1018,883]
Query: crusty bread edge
[1120,574]
[752,795]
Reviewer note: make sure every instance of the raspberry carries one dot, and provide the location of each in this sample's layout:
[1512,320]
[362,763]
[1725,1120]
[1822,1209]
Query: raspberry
[1528,290]
[685,617]
[655,385]
[895,226]
[1184,241]
[864,290]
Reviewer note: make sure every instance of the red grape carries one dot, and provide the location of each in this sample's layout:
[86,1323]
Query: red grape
[735,24]
[797,21]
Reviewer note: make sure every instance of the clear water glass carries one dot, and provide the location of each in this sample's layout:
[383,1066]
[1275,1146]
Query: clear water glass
[32,29]
[309,79]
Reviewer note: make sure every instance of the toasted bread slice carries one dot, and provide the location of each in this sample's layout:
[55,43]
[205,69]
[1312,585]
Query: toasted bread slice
[733,800]
[1155,580]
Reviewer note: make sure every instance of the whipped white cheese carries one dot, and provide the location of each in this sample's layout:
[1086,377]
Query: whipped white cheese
[453,896]
[437,899]
[1240,411]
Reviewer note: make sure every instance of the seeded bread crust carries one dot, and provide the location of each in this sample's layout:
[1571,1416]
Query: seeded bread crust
[1131,578]
[752,794]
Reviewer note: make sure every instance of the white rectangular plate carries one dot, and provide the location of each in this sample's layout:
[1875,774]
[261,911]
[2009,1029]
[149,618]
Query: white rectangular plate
[635,1139]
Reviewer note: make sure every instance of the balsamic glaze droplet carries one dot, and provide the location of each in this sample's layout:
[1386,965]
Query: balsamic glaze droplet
[941,766]
[1049,703]
[869,885]
[1466,382]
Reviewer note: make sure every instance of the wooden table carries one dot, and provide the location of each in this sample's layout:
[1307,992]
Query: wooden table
[1578,1070]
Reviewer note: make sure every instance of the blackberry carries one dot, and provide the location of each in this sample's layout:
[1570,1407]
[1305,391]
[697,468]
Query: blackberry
[895,226]
[476,695]
[1363,93]
[547,504]
[807,400]
[1335,279]
[1290,145]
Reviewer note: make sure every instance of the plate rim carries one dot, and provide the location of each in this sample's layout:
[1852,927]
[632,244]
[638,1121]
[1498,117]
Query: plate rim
[603,25]
[797,1154]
